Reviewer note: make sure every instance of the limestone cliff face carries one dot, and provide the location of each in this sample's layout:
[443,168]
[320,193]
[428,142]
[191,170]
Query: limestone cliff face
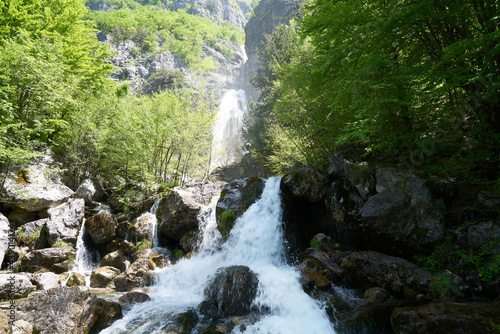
[215,10]
[268,15]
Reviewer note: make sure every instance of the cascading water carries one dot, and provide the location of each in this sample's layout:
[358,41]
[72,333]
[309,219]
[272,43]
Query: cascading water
[228,144]
[86,260]
[256,241]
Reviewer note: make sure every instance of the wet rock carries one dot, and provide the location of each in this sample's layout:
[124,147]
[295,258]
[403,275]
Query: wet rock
[67,310]
[101,227]
[400,277]
[332,270]
[188,320]
[134,297]
[311,278]
[134,275]
[57,260]
[376,296]
[189,241]
[36,186]
[20,216]
[45,281]
[64,221]
[115,259]
[75,279]
[324,243]
[440,317]
[14,286]
[306,183]
[234,200]
[4,236]
[102,277]
[231,291]
[128,248]
[403,218]
[142,228]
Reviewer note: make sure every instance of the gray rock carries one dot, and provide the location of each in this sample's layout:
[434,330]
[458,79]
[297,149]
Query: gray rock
[43,188]
[134,297]
[57,260]
[5,327]
[306,183]
[14,286]
[4,236]
[20,216]
[22,327]
[75,279]
[376,296]
[403,218]
[398,276]
[67,310]
[215,10]
[115,259]
[45,281]
[231,292]
[64,221]
[478,235]
[134,275]
[91,190]
[142,228]
[103,277]
[102,227]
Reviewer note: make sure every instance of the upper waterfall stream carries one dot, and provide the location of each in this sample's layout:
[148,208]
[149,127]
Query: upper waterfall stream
[256,241]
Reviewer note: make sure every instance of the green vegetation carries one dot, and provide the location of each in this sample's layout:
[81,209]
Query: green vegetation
[416,81]
[143,245]
[159,29]
[228,215]
[61,243]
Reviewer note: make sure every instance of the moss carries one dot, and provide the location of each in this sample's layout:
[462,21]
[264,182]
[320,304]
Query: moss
[60,243]
[143,244]
[228,215]
[22,177]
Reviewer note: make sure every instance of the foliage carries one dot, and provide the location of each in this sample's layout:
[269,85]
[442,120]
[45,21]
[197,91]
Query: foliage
[143,245]
[443,287]
[228,215]
[61,243]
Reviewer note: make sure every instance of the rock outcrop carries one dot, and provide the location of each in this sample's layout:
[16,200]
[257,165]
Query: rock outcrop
[101,227]
[102,277]
[4,236]
[57,260]
[64,221]
[14,286]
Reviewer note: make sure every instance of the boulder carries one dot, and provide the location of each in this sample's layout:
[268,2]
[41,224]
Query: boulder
[67,310]
[14,286]
[400,277]
[75,279]
[91,191]
[4,236]
[5,327]
[57,260]
[29,233]
[324,243]
[376,296]
[134,297]
[403,218]
[331,270]
[45,281]
[190,241]
[231,292]
[234,200]
[20,216]
[103,277]
[441,317]
[115,259]
[22,327]
[64,221]
[177,214]
[142,228]
[311,278]
[101,227]
[134,275]
[36,186]
[306,183]
[478,235]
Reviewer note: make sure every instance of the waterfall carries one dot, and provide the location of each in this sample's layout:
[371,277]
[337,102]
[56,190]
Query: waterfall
[86,260]
[256,241]
[228,144]
[153,211]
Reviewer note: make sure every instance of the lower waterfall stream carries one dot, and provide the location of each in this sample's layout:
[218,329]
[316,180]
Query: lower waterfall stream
[256,241]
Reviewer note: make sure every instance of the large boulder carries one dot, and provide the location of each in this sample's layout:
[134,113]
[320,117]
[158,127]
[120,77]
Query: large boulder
[101,227]
[36,186]
[115,259]
[4,236]
[142,228]
[400,277]
[57,260]
[134,275]
[134,296]
[20,216]
[306,183]
[103,277]
[403,218]
[14,286]
[91,191]
[45,281]
[64,221]
[440,317]
[231,292]
[234,199]
[5,325]
[67,310]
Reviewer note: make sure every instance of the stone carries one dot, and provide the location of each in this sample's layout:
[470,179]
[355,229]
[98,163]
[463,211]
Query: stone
[400,277]
[5,327]
[134,297]
[22,327]
[311,278]
[91,191]
[376,296]
[15,286]
[189,241]
[102,277]
[142,228]
[324,243]
[115,259]
[20,216]
[45,281]
[332,270]
[67,310]
[64,221]
[445,317]
[478,235]
[4,236]
[236,196]
[57,260]
[231,291]
[403,218]
[36,186]
[306,183]
[134,275]
[75,279]
[101,227]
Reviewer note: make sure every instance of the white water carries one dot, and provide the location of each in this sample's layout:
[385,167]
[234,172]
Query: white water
[255,241]
[85,259]
[228,144]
